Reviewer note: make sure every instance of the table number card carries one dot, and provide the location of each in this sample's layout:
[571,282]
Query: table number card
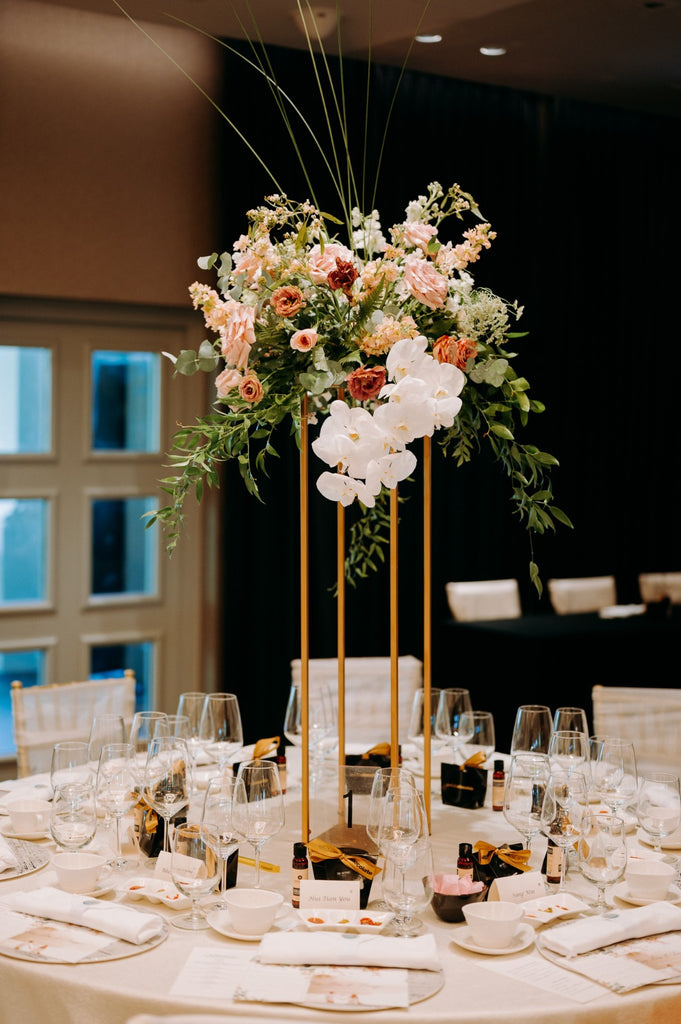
[529,885]
[318,893]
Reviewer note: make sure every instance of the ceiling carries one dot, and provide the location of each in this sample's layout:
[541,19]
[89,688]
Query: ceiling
[622,53]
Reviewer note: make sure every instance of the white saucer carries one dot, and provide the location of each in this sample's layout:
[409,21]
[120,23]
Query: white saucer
[101,890]
[7,829]
[621,890]
[220,921]
[523,938]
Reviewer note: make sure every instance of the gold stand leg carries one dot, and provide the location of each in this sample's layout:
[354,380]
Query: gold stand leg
[394,644]
[427,621]
[304,623]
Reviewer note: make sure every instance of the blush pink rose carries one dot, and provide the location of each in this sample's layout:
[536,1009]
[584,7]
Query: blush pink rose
[237,333]
[322,263]
[425,282]
[226,381]
[303,341]
[251,389]
[418,235]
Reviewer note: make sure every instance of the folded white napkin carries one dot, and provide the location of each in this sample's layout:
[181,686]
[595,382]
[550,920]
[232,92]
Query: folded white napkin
[349,950]
[7,858]
[36,787]
[111,918]
[589,933]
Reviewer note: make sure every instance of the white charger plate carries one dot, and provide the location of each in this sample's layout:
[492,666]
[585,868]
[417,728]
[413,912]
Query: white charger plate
[523,938]
[621,890]
[7,829]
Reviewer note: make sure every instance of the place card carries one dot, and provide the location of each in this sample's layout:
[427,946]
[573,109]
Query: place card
[529,885]
[319,893]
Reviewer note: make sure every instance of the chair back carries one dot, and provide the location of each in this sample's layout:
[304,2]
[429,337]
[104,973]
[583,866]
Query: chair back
[649,717]
[569,596]
[45,715]
[367,693]
[653,586]
[477,600]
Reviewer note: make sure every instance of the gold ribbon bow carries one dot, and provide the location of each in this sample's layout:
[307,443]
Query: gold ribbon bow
[380,750]
[264,747]
[319,849]
[514,858]
[475,760]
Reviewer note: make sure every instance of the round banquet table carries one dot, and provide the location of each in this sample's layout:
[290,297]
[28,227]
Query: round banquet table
[117,991]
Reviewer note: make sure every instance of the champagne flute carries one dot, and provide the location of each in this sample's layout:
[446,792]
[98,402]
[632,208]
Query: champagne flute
[73,816]
[408,887]
[145,726]
[659,808]
[118,787]
[258,806]
[194,868]
[220,729]
[564,806]
[479,727]
[616,777]
[216,821]
[70,763]
[532,729]
[167,779]
[526,782]
[602,852]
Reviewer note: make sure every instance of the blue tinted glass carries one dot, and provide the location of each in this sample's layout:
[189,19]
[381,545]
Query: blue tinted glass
[23,548]
[25,400]
[125,401]
[123,551]
[113,659]
[29,667]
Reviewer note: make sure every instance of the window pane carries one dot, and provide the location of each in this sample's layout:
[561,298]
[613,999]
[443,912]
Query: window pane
[29,667]
[125,401]
[23,548]
[113,659]
[123,551]
[25,400]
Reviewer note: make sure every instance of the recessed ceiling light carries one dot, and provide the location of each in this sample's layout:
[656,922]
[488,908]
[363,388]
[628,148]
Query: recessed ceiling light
[429,39]
[492,51]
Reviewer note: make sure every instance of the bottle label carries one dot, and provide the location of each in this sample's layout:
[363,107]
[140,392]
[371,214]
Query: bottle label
[554,859]
[465,872]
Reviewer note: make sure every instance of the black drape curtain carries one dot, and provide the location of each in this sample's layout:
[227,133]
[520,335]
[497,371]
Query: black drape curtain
[584,201]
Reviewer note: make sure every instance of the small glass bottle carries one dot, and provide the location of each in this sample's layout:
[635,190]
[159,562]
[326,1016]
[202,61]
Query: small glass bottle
[299,870]
[553,862]
[498,786]
[464,864]
[281,765]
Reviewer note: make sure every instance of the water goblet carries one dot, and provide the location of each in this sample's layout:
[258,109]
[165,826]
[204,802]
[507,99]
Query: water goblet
[602,853]
[220,729]
[408,886]
[526,782]
[145,726]
[167,779]
[118,787]
[195,870]
[563,809]
[73,816]
[532,729]
[478,726]
[384,780]
[258,806]
[216,821]
[659,808]
[452,704]
[70,763]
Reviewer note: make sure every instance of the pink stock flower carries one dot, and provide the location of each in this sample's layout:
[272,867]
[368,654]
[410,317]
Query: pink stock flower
[226,381]
[418,235]
[237,333]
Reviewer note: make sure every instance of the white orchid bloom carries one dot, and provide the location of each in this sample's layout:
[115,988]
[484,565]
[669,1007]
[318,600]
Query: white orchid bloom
[406,357]
[349,439]
[390,470]
[411,417]
[342,488]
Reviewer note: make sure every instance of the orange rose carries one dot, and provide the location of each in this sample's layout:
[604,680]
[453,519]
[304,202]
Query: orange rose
[250,389]
[445,350]
[365,383]
[287,300]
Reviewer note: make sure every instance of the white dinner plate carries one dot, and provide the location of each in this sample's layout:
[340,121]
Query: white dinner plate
[523,938]
[621,890]
[7,829]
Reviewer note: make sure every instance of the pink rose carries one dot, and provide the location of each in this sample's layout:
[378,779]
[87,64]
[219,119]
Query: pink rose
[227,380]
[251,389]
[322,263]
[418,235]
[303,341]
[237,333]
[425,282]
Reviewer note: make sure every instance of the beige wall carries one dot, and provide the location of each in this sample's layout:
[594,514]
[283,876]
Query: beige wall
[107,156]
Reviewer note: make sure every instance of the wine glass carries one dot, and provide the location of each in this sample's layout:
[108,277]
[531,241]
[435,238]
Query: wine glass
[452,703]
[145,726]
[257,806]
[216,821]
[616,777]
[104,729]
[118,787]
[479,727]
[408,886]
[220,730]
[563,809]
[570,718]
[322,725]
[70,763]
[602,852]
[569,750]
[417,718]
[195,870]
[191,705]
[526,782]
[532,729]
[659,807]
[167,779]
[73,816]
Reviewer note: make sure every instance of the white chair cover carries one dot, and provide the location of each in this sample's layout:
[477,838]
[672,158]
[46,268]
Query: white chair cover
[650,717]
[653,586]
[477,600]
[582,594]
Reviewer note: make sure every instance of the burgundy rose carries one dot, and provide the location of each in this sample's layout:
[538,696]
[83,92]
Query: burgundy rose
[343,276]
[365,383]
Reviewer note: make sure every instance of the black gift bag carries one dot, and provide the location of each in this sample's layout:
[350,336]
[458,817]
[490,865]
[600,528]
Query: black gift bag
[463,785]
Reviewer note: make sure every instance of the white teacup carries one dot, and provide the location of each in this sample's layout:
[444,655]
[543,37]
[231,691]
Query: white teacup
[30,815]
[252,911]
[649,879]
[493,924]
[78,871]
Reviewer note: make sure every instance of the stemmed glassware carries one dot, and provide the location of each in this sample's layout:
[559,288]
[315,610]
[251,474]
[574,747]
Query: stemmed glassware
[659,807]
[451,705]
[615,775]
[257,806]
[383,781]
[526,782]
[191,704]
[216,821]
[570,718]
[408,886]
[478,726]
[145,726]
[167,779]
[564,806]
[602,853]
[195,870]
[532,729]
[220,730]
[104,729]
[70,763]
[569,751]
[322,725]
[73,816]
[118,787]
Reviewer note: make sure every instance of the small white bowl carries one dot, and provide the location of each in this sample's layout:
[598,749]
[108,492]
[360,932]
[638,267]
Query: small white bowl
[252,911]
[649,879]
[494,924]
[78,871]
